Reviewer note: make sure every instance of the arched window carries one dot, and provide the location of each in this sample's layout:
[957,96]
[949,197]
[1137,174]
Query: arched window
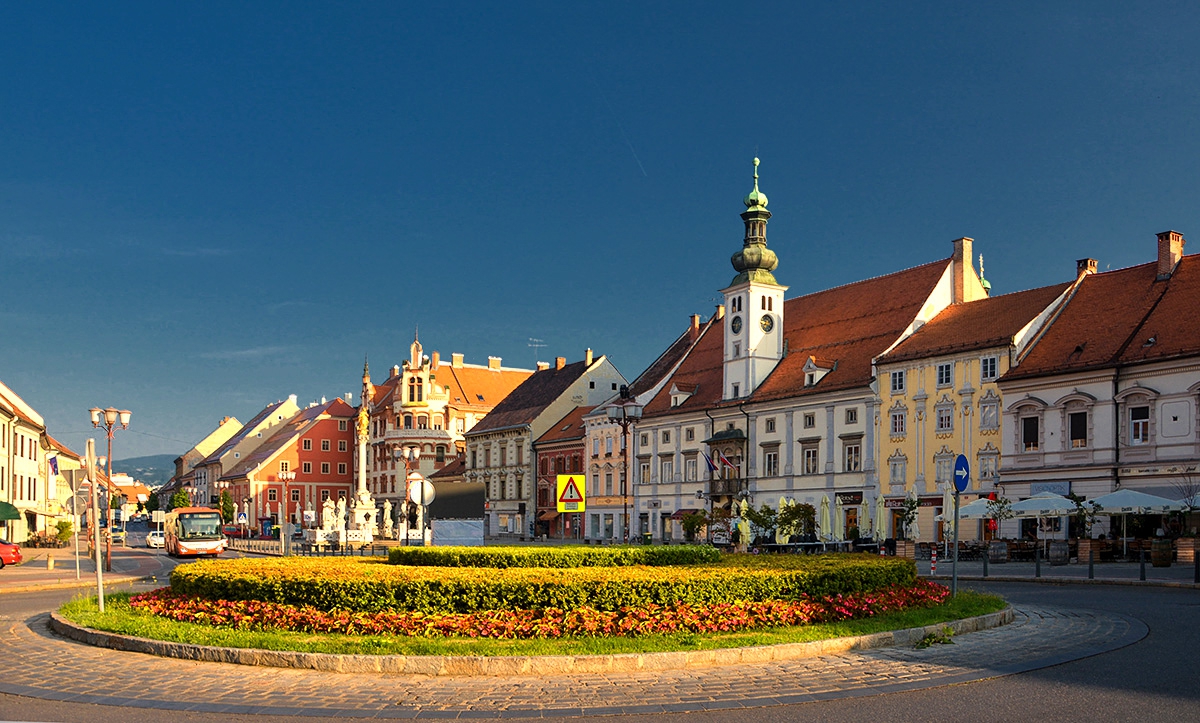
[415,389]
[408,421]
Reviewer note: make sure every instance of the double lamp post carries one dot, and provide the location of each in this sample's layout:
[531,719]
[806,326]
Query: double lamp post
[108,419]
[625,412]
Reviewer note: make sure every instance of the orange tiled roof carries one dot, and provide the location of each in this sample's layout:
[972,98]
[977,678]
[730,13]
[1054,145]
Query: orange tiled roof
[1121,317]
[478,386]
[569,427]
[846,327]
[982,324]
[62,448]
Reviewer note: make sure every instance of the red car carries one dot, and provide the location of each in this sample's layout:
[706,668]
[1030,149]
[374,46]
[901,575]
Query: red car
[10,554]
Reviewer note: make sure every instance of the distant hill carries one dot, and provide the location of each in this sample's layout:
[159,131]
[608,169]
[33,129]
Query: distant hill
[152,471]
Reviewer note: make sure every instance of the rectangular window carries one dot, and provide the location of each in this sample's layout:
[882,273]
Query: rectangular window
[666,437]
[644,473]
[852,415]
[272,495]
[668,471]
[324,495]
[324,445]
[595,526]
[1139,425]
[596,447]
[898,382]
[608,445]
[944,466]
[284,465]
[1029,434]
[689,467]
[1077,423]
[770,424]
[899,423]
[341,468]
[324,468]
[503,456]
[811,460]
[487,457]
[987,369]
[295,495]
[307,467]
[341,445]
[306,445]
[341,425]
[945,375]
[645,440]
[771,463]
[689,434]
[810,420]
[596,485]
[736,392]
[853,457]
[989,415]
[987,466]
[945,419]
[897,470]
[608,488]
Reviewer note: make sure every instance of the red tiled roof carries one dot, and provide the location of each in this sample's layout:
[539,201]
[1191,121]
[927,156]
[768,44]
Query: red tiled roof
[61,448]
[526,402]
[1117,317]
[474,385]
[454,469]
[667,361]
[286,434]
[981,324]
[569,427]
[846,327]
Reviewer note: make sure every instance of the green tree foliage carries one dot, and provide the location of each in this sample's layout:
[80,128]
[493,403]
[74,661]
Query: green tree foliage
[152,503]
[227,510]
[179,499]
[64,529]
[762,521]
[692,522]
[798,519]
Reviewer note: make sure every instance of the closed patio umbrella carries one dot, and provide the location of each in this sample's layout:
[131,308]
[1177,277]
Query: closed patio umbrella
[864,519]
[839,519]
[880,518]
[826,529]
[948,513]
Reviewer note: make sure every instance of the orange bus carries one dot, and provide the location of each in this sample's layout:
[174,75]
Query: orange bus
[193,531]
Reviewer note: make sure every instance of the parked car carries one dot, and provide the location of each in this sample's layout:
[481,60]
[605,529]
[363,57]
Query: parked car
[10,554]
[155,538]
[235,531]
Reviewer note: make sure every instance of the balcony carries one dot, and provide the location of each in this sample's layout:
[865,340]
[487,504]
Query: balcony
[424,435]
[728,487]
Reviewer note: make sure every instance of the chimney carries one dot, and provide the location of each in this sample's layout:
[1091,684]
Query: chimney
[292,398]
[456,360]
[587,358]
[720,311]
[1085,266]
[437,360]
[349,398]
[1170,251]
[543,366]
[395,371]
[962,260]
[560,362]
[494,362]
[694,331]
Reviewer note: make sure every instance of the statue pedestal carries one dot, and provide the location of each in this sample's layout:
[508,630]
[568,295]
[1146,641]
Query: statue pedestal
[362,517]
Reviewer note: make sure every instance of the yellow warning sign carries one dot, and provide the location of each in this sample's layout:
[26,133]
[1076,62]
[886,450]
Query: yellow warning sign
[571,496]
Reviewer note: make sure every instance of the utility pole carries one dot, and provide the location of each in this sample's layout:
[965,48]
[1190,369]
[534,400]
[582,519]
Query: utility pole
[94,520]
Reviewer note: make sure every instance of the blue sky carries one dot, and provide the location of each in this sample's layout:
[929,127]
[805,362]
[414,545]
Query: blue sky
[206,207]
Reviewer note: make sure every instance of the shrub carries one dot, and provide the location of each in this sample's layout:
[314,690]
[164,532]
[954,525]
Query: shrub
[365,586]
[503,557]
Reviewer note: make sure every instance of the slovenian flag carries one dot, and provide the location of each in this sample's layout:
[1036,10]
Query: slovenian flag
[53,466]
[725,461]
[712,466]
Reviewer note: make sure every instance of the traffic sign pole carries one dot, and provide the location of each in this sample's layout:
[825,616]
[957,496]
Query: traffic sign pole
[962,479]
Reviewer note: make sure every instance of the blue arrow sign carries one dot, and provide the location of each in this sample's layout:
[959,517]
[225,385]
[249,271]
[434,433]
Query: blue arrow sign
[962,473]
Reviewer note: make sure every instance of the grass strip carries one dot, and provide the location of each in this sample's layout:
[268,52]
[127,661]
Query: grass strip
[120,618]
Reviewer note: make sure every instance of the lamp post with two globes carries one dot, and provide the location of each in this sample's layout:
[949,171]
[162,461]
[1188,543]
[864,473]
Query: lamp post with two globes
[410,456]
[285,530]
[625,412]
[108,418]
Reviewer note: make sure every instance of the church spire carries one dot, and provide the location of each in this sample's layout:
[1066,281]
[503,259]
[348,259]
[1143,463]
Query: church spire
[755,261]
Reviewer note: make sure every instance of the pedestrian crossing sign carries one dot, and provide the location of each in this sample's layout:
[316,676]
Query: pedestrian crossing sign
[571,493]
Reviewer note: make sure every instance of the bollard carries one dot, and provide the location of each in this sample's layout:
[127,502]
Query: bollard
[1037,562]
[985,563]
[1143,565]
[50,561]
[932,561]
[1091,564]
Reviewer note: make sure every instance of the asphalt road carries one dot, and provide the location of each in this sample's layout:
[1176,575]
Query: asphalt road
[1154,679]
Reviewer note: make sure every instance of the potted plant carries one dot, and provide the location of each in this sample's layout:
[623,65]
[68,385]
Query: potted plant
[906,546]
[999,510]
[1085,518]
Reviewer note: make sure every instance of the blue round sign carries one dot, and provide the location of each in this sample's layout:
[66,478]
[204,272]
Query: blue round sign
[962,473]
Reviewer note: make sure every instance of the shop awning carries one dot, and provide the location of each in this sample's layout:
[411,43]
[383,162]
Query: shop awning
[547,516]
[8,512]
[683,512]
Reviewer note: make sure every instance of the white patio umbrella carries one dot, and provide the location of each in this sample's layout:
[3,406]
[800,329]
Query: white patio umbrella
[826,529]
[839,519]
[781,536]
[1131,502]
[974,510]
[864,518]
[947,514]
[880,518]
[1043,504]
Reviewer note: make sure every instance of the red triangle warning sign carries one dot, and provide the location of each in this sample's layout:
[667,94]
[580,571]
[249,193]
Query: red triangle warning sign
[570,493]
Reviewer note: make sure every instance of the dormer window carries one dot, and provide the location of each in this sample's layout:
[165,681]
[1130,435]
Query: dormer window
[815,370]
[679,395]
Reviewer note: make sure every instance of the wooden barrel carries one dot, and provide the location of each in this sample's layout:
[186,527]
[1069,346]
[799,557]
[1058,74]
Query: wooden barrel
[997,551]
[1060,552]
[1160,552]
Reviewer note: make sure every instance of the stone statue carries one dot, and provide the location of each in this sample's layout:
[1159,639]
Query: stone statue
[341,514]
[328,511]
[387,519]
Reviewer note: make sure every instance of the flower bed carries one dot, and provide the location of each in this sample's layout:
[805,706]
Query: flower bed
[366,586]
[543,623]
[572,556]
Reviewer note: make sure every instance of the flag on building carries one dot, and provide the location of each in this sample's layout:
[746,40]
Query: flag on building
[53,466]
[725,461]
[712,466]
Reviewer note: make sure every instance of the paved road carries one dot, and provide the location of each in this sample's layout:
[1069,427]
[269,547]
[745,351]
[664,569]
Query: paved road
[1148,633]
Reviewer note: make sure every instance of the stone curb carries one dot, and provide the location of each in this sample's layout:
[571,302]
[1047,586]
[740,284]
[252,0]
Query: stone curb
[66,584]
[547,665]
[1071,581]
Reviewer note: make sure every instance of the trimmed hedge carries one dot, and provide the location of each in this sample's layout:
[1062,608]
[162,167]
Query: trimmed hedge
[504,557]
[367,586]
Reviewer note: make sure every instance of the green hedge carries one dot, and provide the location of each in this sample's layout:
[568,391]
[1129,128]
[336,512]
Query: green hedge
[573,556]
[355,585]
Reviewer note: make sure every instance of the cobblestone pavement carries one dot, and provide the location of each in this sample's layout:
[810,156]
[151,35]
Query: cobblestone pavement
[51,668]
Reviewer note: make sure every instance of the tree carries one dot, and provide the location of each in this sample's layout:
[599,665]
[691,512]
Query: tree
[798,519]
[692,522]
[999,510]
[908,513]
[179,499]
[720,523]
[152,503]
[64,530]
[1085,515]
[763,521]
[227,510]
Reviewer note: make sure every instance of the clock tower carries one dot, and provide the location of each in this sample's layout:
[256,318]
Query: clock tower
[753,305]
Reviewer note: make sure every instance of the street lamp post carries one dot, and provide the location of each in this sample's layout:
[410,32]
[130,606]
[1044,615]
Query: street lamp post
[625,413]
[285,532]
[246,524]
[108,419]
[409,456]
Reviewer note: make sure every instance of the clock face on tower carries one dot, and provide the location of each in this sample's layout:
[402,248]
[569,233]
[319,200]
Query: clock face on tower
[736,325]
[767,323]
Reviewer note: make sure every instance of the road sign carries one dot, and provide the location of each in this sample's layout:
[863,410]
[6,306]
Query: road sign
[962,473]
[571,493]
[159,516]
[242,518]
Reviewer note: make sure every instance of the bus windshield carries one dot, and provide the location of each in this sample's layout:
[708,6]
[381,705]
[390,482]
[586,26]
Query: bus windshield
[200,526]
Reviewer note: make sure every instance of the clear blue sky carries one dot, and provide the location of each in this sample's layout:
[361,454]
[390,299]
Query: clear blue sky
[205,207]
